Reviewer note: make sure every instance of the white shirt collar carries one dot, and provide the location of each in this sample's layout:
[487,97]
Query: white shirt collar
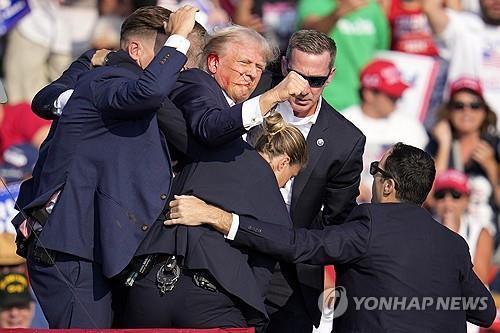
[228,99]
[286,111]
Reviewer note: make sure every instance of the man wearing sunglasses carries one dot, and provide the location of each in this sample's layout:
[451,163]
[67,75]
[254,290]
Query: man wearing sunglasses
[391,249]
[325,191]
[382,86]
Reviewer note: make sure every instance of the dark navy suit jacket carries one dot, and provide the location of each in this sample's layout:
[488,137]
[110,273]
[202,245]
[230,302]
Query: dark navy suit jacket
[110,160]
[325,191]
[385,250]
[232,176]
[170,119]
[42,106]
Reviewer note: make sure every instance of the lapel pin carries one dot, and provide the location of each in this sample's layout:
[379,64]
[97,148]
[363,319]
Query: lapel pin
[320,142]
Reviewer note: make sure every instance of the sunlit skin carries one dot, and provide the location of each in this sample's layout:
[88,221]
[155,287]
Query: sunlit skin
[383,190]
[286,174]
[310,65]
[467,121]
[144,49]
[238,72]
[283,170]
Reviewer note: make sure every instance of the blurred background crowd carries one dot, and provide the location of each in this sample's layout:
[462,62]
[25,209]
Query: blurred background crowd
[425,72]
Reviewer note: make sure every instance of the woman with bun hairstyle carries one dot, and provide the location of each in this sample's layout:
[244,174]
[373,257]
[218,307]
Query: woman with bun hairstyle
[282,145]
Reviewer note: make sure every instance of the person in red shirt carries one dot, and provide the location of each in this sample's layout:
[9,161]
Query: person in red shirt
[18,124]
[411,32]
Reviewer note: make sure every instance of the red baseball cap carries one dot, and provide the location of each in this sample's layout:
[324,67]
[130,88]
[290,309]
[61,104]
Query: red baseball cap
[467,83]
[384,76]
[451,180]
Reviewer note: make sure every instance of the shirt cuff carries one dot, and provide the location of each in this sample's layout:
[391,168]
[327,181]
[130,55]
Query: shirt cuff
[61,101]
[231,235]
[178,42]
[250,113]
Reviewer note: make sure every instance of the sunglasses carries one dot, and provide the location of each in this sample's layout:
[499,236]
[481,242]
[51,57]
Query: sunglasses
[314,81]
[374,169]
[442,193]
[456,105]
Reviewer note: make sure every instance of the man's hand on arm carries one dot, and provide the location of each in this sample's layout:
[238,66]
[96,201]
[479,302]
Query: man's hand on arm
[191,211]
[100,57]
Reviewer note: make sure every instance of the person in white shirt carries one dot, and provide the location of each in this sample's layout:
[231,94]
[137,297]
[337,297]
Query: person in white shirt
[379,119]
[472,44]
[43,43]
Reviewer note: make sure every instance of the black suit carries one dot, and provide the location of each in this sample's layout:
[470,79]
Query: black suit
[324,193]
[43,106]
[385,250]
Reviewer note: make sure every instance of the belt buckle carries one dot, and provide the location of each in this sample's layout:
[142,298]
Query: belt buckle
[167,275]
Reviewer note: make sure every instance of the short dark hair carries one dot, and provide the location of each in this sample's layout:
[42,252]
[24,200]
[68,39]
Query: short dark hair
[145,21]
[312,41]
[198,38]
[413,170]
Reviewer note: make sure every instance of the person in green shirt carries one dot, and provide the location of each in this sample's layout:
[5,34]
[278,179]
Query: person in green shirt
[360,28]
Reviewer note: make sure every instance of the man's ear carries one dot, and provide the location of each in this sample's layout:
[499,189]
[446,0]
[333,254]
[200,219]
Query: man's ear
[213,63]
[134,49]
[389,187]
[330,76]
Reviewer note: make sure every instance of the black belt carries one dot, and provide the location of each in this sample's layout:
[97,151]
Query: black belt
[44,256]
[168,273]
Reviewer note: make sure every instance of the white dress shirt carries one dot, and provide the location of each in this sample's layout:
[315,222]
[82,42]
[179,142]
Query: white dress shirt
[304,125]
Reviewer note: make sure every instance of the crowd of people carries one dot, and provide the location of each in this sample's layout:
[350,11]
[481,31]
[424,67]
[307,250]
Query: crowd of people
[130,118]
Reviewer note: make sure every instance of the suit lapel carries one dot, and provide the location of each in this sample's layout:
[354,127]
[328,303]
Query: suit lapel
[317,142]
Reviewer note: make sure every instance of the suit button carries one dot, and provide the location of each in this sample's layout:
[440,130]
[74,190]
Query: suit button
[145,227]
[163,196]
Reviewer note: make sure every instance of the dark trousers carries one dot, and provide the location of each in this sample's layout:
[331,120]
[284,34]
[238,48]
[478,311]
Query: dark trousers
[285,306]
[72,292]
[186,306]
